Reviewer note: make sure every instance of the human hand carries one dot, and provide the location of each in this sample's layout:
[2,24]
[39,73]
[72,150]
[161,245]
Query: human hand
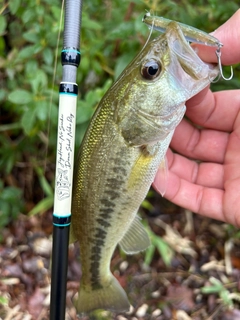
[210,187]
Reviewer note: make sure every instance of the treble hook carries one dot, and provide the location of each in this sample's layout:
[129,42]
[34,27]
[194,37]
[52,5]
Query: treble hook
[221,75]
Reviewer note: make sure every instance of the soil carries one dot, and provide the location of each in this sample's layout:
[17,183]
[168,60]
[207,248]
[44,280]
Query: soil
[193,272]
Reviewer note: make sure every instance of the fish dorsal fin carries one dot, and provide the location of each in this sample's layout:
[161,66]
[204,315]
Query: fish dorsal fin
[136,238]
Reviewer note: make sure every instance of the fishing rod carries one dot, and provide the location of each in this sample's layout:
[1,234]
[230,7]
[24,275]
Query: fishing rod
[68,91]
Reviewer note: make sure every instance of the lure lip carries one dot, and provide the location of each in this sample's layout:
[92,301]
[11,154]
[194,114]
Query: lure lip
[190,33]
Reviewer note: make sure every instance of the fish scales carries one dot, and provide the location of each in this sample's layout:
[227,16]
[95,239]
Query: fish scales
[122,150]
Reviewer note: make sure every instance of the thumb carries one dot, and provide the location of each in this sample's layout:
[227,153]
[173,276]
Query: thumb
[228,34]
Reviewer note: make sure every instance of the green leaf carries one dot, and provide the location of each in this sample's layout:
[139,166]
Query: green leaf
[3,300]
[46,186]
[158,243]
[147,205]
[2,94]
[164,250]
[38,81]
[20,96]
[8,158]
[212,289]
[31,68]
[84,113]
[28,14]
[42,110]
[225,296]
[10,204]
[28,121]
[27,52]
[31,36]
[90,23]
[3,24]
[122,62]
[14,5]
[44,183]
[56,11]
[11,193]
[42,206]
[48,56]
[149,253]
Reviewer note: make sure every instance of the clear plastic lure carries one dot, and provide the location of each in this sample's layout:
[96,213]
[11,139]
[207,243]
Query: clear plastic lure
[191,34]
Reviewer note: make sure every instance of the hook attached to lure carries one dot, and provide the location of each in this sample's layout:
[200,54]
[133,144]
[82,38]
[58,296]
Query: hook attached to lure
[221,75]
[191,34]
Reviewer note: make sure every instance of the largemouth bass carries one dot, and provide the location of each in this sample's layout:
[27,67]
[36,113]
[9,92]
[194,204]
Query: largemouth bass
[123,147]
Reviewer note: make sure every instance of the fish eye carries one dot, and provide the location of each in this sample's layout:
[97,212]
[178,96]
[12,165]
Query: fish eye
[151,69]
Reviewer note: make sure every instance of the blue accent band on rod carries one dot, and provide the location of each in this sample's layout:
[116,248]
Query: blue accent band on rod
[61,221]
[69,94]
[70,56]
[71,50]
[67,87]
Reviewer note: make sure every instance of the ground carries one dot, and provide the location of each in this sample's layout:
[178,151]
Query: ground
[200,282]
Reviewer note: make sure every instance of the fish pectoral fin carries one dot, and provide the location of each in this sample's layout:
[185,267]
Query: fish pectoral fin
[163,176]
[136,238]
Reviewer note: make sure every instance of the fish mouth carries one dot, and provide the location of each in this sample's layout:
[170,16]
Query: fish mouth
[190,62]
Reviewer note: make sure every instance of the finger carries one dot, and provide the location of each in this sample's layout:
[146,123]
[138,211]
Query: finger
[232,176]
[209,175]
[205,174]
[204,145]
[231,200]
[199,199]
[233,153]
[216,110]
[228,34]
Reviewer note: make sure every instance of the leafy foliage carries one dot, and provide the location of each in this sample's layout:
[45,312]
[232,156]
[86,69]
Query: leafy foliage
[112,33]
[10,203]
[218,287]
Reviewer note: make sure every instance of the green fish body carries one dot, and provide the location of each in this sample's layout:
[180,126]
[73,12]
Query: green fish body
[121,152]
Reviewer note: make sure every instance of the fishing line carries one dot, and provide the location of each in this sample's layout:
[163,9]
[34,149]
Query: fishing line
[52,91]
[150,34]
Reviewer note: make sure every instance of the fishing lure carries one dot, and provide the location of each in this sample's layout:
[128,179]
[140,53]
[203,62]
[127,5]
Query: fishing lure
[191,34]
